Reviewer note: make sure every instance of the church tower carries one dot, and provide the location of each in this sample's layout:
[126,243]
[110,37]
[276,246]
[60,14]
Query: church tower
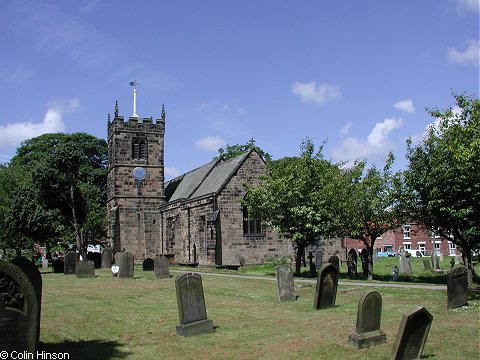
[135,183]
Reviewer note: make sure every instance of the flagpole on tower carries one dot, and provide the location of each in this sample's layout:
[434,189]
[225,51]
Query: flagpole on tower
[134,84]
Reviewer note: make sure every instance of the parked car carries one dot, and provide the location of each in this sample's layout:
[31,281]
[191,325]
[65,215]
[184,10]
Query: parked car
[386,254]
[417,253]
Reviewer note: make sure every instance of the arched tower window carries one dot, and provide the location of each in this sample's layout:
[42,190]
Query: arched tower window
[139,149]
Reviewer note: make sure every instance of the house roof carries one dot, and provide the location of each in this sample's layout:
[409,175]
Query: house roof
[207,179]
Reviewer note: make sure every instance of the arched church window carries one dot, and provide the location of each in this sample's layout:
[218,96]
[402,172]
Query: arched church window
[252,225]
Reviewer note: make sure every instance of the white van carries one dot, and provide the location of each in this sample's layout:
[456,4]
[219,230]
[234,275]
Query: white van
[417,253]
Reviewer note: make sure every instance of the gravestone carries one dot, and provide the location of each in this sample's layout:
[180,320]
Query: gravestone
[117,257]
[405,267]
[126,265]
[58,266]
[107,258]
[458,260]
[457,287]
[326,289]
[191,306]
[352,263]
[85,269]
[318,259]
[394,273]
[96,258]
[412,334]
[70,262]
[18,310]
[285,284]
[148,264]
[367,332]
[161,267]
[32,272]
[45,263]
[364,259]
[427,264]
[335,260]
[434,258]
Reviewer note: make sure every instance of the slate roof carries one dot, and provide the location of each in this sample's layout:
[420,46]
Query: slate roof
[207,179]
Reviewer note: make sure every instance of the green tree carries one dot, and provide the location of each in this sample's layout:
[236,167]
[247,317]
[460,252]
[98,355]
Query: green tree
[62,194]
[232,151]
[369,210]
[444,176]
[298,197]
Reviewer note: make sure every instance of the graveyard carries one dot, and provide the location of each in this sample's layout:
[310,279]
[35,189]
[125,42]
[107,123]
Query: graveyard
[113,317]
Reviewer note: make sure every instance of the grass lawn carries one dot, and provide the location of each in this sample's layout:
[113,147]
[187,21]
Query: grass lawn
[112,318]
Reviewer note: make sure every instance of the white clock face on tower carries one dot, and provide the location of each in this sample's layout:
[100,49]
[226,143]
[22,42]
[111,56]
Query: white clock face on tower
[139,173]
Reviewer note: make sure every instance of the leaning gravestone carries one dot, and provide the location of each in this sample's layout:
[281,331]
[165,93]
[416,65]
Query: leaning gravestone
[427,264]
[117,257]
[85,269]
[326,289]
[457,287]
[18,310]
[412,334]
[285,284]
[35,277]
[70,262]
[161,267]
[352,263]
[405,267]
[367,332]
[148,264]
[126,265]
[191,306]
[107,258]
[58,266]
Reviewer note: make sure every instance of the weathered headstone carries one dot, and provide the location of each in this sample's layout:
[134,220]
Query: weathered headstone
[318,259]
[394,273]
[18,310]
[45,263]
[70,262]
[191,306]
[126,265]
[458,259]
[148,264]
[367,332]
[427,264]
[405,267]
[161,267]
[58,266]
[326,289]
[107,258]
[352,259]
[285,284]
[32,272]
[412,334]
[96,258]
[364,259]
[85,269]
[117,257]
[457,287]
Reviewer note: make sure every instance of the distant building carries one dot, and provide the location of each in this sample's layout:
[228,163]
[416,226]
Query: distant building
[409,236]
[196,217]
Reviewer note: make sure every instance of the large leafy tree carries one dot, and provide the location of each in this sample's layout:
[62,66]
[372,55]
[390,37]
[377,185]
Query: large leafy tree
[298,196]
[370,207]
[444,176]
[62,197]
[232,151]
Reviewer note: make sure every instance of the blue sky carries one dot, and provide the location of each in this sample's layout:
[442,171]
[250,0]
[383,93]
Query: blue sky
[358,74]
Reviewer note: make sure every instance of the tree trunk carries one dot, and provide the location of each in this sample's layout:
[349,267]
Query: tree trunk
[298,258]
[467,260]
[369,249]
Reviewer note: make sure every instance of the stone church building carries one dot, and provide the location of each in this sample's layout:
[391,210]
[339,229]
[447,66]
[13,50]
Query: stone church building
[196,217]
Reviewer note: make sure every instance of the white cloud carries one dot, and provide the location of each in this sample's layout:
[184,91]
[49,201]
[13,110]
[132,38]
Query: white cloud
[405,105]
[375,147]
[12,134]
[171,172]
[316,93]
[470,56]
[464,6]
[210,143]
[345,129]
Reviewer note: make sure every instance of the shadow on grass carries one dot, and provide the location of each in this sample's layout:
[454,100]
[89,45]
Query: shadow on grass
[87,349]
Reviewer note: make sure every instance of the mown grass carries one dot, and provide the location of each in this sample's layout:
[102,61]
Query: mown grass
[112,318]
